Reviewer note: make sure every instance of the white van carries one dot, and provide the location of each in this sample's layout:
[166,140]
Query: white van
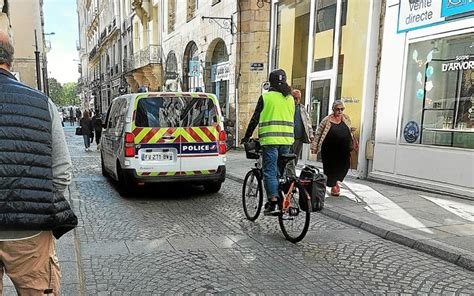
[164,137]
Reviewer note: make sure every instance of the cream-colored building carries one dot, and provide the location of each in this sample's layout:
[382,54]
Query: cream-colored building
[27,20]
[100,51]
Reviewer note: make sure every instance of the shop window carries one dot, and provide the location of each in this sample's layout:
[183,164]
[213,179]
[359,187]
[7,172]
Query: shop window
[439,93]
[191,10]
[325,23]
[326,15]
[171,15]
[291,52]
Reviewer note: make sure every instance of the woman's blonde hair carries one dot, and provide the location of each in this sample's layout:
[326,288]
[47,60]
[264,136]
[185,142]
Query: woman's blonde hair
[337,103]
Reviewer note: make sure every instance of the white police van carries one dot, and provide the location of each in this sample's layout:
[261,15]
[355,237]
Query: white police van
[164,137]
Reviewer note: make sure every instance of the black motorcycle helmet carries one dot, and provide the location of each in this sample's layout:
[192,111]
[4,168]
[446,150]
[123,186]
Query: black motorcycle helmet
[277,77]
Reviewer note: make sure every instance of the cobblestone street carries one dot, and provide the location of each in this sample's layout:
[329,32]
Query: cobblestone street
[171,239]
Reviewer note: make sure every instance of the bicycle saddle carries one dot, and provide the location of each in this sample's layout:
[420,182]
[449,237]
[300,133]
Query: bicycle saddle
[287,157]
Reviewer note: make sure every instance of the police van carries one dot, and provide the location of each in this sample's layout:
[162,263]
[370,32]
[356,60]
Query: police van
[164,137]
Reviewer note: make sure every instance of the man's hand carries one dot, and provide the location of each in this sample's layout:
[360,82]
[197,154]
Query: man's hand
[353,129]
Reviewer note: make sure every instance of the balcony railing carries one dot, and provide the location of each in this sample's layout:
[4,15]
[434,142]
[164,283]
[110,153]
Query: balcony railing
[93,53]
[150,55]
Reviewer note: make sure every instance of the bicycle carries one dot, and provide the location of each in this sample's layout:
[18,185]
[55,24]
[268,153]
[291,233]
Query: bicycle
[294,201]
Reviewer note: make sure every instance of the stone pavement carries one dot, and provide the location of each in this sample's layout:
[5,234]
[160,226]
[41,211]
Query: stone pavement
[440,225]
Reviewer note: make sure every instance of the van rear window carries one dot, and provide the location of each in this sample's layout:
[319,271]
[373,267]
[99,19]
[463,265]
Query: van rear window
[175,112]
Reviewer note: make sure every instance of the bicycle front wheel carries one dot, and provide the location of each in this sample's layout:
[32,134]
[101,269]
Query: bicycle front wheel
[252,195]
[294,222]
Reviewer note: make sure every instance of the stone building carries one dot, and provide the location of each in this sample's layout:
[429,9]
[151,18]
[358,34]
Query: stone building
[26,19]
[100,26]
[208,45]
[219,47]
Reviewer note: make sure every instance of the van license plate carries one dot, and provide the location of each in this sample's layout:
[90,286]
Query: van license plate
[157,156]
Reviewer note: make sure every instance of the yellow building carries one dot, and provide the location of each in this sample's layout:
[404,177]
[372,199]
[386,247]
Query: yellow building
[27,20]
[329,51]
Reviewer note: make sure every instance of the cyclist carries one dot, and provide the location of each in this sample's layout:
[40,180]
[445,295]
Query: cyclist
[275,113]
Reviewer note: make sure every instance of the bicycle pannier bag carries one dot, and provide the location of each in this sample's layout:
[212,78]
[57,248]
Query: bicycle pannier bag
[315,184]
[79,131]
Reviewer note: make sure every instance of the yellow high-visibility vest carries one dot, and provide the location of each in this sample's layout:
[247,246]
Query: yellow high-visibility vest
[276,124]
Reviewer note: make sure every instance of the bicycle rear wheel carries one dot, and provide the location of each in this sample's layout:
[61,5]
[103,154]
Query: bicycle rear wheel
[252,195]
[294,223]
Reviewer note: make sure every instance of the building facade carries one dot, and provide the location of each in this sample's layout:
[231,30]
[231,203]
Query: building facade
[425,119]
[329,50]
[214,46]
[101,27]
[27,26]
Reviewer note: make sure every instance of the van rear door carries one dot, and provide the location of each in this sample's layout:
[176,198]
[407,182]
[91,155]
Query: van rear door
[200,120]
[154,127]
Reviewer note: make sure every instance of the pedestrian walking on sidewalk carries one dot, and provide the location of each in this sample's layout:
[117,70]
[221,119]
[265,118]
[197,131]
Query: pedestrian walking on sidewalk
[34,174]
[275,114]
[72,118]
[97,126]
[86,125]
[334,140]
[303,130]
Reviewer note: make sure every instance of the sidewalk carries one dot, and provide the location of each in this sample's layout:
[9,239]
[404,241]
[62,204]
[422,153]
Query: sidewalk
[442,226]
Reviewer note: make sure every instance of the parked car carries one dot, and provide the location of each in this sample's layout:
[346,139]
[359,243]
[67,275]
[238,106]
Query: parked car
[164,137]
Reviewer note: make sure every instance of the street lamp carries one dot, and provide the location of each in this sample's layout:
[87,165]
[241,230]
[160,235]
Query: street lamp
[45,66]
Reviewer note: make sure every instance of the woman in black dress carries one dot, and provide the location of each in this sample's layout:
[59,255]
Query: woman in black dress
[334,139]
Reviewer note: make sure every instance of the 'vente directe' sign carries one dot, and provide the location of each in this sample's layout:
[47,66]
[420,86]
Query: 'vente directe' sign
[417,14]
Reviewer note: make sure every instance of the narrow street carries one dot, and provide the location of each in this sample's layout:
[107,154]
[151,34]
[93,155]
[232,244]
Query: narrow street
[177,239]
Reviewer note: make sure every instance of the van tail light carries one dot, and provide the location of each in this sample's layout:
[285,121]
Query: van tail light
[129,145]
[222,146]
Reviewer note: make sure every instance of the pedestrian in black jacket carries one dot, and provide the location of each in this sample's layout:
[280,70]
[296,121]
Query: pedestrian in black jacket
[97,126]
[86,125]
[34,174]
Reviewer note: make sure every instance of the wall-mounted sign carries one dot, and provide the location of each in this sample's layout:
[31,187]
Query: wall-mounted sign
[411,132]
[171,75]
[256,67]
[453,7]
[414,14]
[194,70]
[222,71]
[461,63]
[417,14]
[350,100]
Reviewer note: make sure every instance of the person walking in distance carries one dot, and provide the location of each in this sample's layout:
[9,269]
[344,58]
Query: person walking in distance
[275,114]
[34,174]
[78,115]
[97,126]
[303,130]
[86,125]
[334,140]
[72,118]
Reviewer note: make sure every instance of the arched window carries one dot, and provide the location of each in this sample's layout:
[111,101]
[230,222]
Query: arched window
[171,72]
[220,74]
[191,68]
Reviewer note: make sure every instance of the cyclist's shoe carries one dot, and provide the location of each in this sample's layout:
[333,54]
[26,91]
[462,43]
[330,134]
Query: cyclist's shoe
[271,208]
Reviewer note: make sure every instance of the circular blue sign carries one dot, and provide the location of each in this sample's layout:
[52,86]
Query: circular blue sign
[411,132]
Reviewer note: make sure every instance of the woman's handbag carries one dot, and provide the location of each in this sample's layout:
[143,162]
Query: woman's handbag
[79,131]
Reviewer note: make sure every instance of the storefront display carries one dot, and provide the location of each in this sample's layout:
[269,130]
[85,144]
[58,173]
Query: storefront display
[439,91]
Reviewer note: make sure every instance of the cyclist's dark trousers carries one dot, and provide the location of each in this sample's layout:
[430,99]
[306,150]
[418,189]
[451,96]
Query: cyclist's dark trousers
[98,133]
[270,167]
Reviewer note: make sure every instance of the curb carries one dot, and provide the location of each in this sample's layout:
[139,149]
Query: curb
[434,248]
[77,244]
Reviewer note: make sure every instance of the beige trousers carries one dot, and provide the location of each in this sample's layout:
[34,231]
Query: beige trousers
[31,264]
